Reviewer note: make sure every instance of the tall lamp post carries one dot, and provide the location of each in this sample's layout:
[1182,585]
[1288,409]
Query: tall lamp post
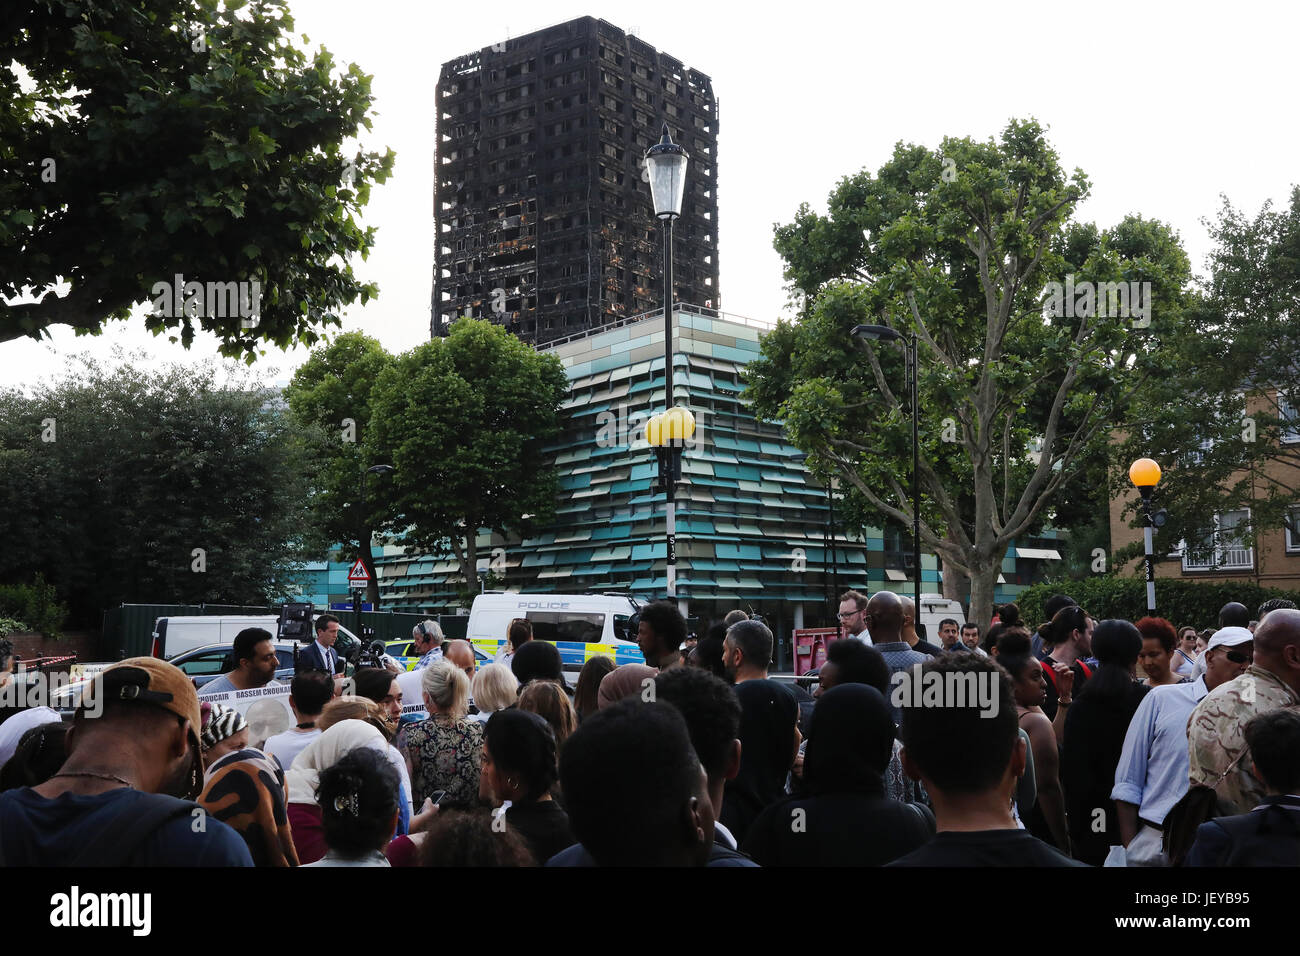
[1145,474]
[666,169]
[364,546]
[667,434]
[883,333]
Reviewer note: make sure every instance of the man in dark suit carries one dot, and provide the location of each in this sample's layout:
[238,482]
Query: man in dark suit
[1269,835]
[320,654]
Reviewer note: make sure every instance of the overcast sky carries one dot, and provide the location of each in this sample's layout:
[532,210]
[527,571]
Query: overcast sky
[1164,106]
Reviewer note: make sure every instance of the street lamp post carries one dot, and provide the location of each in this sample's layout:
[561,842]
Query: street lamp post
[1145,474]
[666,169]
[667,434]
[883,333]
[363,547]
[665,164]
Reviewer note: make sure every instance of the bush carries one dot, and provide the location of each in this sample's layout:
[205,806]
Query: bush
[1194,603]
[35,603]
[9,626]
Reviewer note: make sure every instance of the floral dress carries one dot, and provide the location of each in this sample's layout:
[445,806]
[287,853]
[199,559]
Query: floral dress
[445,755]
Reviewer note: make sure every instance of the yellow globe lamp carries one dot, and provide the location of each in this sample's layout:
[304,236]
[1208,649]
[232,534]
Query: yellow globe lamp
[1145,474]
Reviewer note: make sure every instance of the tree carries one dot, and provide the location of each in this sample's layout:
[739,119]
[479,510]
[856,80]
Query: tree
[1019,380]
[330,395]
[181,152]
[155,486]
[464,420]
[1220,452]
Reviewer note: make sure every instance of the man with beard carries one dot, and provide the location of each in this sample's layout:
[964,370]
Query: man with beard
[133,751]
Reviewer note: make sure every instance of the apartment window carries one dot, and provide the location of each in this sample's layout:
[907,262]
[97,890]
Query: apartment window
[1223,547]
[1293,530]
[1290,415]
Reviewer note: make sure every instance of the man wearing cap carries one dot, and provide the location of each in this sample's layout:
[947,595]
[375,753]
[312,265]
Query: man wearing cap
[1216,731]
[1151,775]
[133,750]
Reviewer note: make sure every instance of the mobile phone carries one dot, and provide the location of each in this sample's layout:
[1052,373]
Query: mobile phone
[437,796]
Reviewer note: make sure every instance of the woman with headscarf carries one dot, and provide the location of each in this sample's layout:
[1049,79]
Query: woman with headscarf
[245,789]
[844,818]
[303,780]
[624,681]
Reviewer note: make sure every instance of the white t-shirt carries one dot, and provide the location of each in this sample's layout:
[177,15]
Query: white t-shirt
[286,746]
[12,730]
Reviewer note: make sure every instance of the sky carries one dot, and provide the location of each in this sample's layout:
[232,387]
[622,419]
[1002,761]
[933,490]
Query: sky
[1166,106]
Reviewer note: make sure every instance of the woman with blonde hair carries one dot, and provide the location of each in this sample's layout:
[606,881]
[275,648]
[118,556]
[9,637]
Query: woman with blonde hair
[445,750]
[495,688]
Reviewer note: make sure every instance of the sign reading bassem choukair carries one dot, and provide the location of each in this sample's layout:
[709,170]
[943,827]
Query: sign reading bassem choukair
[266,709]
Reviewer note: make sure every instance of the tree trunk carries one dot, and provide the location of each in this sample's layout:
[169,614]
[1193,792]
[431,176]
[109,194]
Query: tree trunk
[956,585]
[982,583]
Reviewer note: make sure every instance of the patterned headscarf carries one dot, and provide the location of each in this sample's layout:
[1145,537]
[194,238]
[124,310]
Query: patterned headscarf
[220,723]
[245,789]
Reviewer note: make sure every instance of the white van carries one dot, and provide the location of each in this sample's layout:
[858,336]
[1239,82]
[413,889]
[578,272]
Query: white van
[176,635]
[580,625]
[936,608]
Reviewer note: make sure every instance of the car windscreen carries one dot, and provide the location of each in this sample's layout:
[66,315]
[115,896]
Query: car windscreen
[571,626]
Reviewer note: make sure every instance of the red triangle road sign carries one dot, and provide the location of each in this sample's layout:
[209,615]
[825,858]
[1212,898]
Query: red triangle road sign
[358,573]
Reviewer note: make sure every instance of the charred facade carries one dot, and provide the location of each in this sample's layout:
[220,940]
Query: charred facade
[543,222]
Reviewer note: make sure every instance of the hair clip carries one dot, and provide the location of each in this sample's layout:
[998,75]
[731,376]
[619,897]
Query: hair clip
[348,805]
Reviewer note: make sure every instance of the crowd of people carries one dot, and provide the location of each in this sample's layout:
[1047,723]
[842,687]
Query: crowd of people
[1101,742]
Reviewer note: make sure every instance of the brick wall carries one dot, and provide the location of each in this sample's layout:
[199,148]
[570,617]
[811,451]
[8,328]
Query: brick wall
[85,644]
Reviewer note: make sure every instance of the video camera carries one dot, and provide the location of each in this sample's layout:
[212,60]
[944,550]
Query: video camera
[295,623]
[371,652]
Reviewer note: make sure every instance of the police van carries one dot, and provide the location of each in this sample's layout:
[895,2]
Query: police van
[582,626]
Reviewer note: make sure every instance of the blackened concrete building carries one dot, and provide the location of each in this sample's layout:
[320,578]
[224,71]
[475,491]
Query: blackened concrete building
[542,219]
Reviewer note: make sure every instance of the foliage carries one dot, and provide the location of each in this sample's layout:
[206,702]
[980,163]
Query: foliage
[330,396]
[145,139]
[464,420]
[152,485]
[957,247]
[9,625]
[36,603]
[1182,603]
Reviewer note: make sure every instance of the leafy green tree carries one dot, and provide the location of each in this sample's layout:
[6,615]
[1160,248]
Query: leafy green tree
[1220,451]
[152,485]
[145,140]
[330,396]
[464,420]
[958,247]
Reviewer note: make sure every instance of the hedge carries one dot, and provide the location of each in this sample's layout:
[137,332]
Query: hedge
[1194,603]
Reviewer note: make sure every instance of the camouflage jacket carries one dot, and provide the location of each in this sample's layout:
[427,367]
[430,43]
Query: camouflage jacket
[1216,734]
